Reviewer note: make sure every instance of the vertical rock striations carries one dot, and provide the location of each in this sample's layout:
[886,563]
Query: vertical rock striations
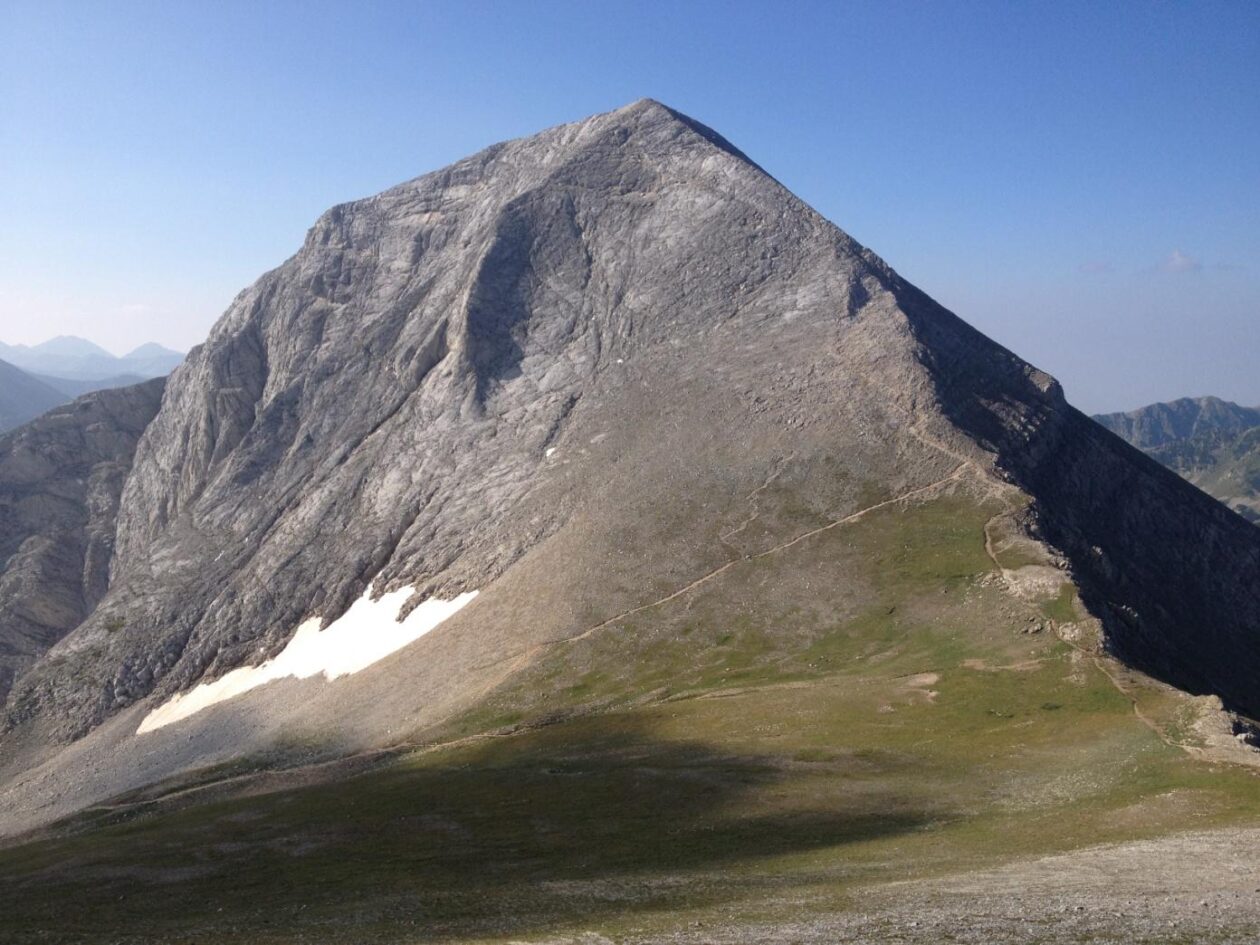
[545,371]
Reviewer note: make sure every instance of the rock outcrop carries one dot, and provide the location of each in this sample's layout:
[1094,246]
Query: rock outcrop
[555,371]
[61,477]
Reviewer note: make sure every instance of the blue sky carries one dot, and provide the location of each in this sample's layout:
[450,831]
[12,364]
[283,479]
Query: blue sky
[1080,181]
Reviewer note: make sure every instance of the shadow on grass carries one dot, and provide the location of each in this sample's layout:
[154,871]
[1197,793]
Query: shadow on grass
[581,822]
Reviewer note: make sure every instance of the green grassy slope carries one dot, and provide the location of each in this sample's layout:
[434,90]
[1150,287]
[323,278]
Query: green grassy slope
[865,706]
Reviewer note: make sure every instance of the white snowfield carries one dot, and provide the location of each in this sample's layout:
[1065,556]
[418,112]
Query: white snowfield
[369,631]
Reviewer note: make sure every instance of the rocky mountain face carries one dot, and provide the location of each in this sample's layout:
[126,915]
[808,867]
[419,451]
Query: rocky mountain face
[23,397]
[1211,442]
[1156,425]
[61,477]
[584,373]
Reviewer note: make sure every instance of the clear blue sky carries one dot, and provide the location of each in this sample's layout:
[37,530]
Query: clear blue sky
[1080,181]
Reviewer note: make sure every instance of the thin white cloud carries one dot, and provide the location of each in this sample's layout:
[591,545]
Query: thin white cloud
[1177,261]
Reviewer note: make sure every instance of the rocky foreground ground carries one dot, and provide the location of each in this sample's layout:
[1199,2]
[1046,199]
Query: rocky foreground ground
[1196,887]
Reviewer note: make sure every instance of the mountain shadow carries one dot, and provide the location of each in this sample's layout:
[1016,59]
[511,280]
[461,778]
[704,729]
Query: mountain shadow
[508,836]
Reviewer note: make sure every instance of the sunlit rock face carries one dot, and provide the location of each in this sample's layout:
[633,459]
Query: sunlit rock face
[61,477]
[554,372]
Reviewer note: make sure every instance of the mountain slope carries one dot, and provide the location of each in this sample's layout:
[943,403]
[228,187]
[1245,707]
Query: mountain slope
[1213,443]
[23,397]
[61,477]
[151,360]
[1232,473]
[647,403]
[63,356]
[73,388]
[75,359]
[64,346]
[1158,425]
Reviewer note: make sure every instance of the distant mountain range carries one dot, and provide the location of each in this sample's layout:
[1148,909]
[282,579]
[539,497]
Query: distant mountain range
[23,397]
[1211,442]
[589,536]
[70,358]
[36,378]
[73,388]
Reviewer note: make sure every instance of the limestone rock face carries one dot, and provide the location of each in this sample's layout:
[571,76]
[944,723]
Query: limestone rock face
[541,372]
[61,477]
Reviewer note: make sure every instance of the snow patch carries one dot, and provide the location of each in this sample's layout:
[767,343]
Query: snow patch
[367,632]
[550,450]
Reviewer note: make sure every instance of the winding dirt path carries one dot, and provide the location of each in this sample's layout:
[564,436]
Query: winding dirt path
[526,656]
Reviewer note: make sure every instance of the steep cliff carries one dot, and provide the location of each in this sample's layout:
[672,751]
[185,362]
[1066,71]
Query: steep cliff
[586,373]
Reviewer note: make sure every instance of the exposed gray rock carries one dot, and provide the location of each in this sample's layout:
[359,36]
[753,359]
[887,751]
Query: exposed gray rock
[61,477]
[633,293]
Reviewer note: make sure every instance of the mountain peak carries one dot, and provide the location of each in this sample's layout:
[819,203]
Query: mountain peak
[1212,442]
[152,349]
[613,148]
[587,373]
[649,113]
[71,346]
[1160,424]
[644,105]
[68,357]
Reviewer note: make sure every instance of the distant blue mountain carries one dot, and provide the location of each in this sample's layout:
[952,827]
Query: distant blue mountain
[23,397]
[73,387]
[77,359]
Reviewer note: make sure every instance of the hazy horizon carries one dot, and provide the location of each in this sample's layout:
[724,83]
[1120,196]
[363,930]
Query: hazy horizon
[1078,183]
[116,352]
